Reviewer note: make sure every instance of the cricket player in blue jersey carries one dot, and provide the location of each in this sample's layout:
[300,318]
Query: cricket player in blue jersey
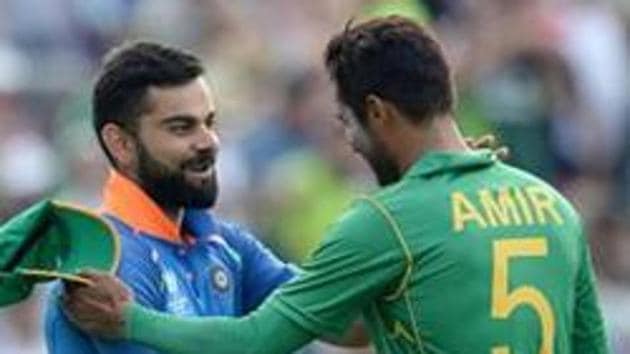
[154,116]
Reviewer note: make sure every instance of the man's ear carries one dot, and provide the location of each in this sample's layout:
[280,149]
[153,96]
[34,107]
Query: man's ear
[376,111]
[120,144]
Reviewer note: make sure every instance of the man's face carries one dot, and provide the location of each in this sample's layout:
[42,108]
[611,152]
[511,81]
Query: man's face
[177,144]
[368,145]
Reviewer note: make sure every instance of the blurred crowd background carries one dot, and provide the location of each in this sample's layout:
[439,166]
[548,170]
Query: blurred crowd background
[550,77]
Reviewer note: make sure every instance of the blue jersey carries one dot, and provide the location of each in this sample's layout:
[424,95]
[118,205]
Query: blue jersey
[223,271]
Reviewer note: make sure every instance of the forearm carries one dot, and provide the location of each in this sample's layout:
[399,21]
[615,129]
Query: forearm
[264,331]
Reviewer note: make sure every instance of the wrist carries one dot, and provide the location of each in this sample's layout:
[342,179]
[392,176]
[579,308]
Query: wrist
[131,311]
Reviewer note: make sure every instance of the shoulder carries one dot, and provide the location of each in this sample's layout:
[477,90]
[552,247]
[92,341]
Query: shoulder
[390,198]
[133,246]
[205,222]
[543,197]
[541,186]
[138,265]
[366,223]
[234,234]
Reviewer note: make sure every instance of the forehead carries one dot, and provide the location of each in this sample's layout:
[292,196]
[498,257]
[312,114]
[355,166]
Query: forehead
[194,98]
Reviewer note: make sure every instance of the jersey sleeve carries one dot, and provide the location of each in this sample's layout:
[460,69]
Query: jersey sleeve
[588,335]
[263,272]
[135,270]
[359,260]
[263,331]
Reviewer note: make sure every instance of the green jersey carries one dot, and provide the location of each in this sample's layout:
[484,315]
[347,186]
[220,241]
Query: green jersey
[464,255]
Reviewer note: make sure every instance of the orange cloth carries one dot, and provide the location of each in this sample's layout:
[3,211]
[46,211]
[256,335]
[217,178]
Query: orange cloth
[124,199]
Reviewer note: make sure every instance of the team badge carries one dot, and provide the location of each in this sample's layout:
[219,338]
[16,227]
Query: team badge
[220,279]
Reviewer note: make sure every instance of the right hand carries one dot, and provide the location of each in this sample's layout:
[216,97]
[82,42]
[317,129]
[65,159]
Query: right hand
[97,307]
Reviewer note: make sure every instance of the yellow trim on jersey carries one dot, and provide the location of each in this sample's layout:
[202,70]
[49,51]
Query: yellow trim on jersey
[399,236]
[414,325]
[52,274]
[402,287]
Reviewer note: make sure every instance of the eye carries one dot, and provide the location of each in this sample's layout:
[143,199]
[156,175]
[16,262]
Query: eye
[180,128]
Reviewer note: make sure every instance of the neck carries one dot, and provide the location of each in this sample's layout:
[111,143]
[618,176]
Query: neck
[441,134]
[173,213]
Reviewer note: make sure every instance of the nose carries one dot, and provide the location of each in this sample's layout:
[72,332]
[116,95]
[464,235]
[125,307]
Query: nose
[207,139]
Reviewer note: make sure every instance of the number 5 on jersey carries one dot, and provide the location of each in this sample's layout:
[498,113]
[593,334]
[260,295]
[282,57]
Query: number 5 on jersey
[504,301]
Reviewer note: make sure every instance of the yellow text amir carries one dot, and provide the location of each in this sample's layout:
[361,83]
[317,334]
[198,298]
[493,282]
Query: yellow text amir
[504,207]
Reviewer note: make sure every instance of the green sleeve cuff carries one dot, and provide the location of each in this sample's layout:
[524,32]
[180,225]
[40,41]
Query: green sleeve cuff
[130,312]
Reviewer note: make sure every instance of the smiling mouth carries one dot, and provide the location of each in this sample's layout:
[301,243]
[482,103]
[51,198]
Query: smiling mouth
[202,167]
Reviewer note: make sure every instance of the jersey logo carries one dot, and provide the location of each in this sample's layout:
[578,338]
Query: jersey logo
[176,300]
[219,279]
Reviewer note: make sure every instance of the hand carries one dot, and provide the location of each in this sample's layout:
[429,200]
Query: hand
[489,141]
[97,307]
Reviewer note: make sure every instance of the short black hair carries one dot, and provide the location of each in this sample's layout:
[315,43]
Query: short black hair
[127,73]
[395,59]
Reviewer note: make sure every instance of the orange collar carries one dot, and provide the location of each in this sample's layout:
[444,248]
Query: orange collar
[124,199]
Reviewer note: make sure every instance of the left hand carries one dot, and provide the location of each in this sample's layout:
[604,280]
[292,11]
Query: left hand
[489,141]
[97,308]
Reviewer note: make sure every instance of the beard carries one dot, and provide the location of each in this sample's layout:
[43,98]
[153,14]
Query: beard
[382,164]
[384,168]
[169,188]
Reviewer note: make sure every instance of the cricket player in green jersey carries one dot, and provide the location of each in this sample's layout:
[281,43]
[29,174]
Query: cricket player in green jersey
[456,253]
